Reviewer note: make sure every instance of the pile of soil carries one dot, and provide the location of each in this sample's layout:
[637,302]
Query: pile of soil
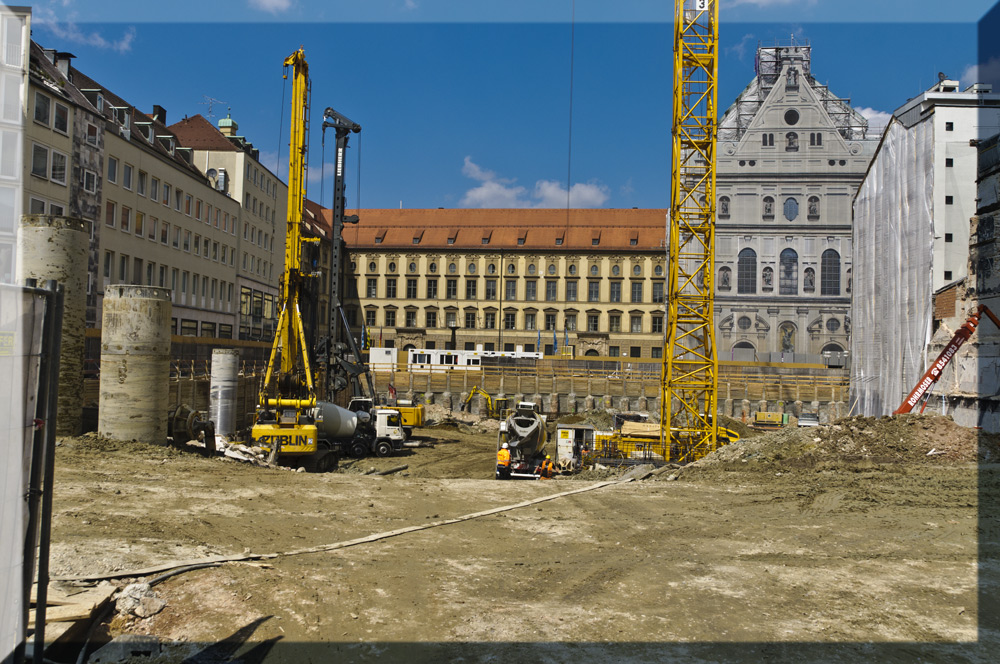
[904,439]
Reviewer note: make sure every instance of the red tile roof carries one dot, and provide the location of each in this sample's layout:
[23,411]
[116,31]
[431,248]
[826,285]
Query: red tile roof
[198,133]
[540,229]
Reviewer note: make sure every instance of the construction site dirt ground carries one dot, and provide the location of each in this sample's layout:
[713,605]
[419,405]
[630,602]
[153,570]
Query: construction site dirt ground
[840,543]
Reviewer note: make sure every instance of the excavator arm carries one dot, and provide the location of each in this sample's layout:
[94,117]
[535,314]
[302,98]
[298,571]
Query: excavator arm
[934,372]
[489,401]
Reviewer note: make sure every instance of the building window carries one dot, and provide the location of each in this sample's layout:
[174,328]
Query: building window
[614,351]
[571,291]
[127,176]
[370,315]
[569,323]
[390,289]
[92,134]
[550,322]
[788,273]
[371,288]
[451,289]
[90,182]
[58,173]
[491,289]
[832,325]
[767,140]
[593,321]
[432,289]
[593,291]
[60,121]
[636,291]
[109,213]
[657,324]
[390,318]
[511,293]
[829,273]
[948,237]
[109,259]
[816,139]
[411,318]
[470,289]
[529,321]
[658,292]
[490,320]
[126,219]
[791,209]
[112,169]
[949,200]
[614,323]
[947,275]
[431,319]
[949,126]
[509,321]
[42,105]
[40,161]
[615,292]
[656,352]
[949,162]
[531,290]
[635,324]
[746,272]
[551,290]
[411,291]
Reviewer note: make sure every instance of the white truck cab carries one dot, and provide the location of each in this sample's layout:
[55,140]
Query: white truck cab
[389,425]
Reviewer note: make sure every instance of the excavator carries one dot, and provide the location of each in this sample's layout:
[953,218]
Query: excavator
[494,408]
[290,422]
[934,372]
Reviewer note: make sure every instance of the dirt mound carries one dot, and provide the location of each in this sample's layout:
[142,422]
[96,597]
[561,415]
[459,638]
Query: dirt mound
[906,439]
[744,430]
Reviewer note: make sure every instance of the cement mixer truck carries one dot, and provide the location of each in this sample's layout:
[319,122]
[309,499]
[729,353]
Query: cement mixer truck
[525,435]
[317,437]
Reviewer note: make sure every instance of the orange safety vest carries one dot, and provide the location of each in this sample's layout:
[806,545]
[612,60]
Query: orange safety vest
[503,457]
[547,469]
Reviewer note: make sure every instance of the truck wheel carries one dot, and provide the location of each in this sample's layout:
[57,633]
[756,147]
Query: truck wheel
[359,450]
[383,448]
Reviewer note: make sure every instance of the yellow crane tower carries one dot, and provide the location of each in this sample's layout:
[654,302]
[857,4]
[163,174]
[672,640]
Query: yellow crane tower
[282,422]
[689,378]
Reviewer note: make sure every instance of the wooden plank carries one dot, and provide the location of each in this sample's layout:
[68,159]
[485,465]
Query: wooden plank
[86,604]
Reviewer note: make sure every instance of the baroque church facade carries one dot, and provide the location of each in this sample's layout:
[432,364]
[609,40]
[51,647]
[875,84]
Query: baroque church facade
[790,158]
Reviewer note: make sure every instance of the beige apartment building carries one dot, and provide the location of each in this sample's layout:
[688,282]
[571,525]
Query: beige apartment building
[574,282]
[232,165]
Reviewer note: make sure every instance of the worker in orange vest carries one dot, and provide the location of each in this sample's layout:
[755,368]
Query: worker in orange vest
[503,463]
[547,469]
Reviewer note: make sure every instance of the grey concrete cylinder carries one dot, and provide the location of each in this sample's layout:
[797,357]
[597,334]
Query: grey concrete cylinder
[222,390]
[135,364]
[57,248]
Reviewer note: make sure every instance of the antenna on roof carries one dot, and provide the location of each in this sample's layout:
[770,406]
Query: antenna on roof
[210,101]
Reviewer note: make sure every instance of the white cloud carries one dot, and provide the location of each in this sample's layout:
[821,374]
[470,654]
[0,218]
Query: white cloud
[272,6]
[982,73]
[62,25]
[740,48]
[410,4]
[496,192]
[875,117]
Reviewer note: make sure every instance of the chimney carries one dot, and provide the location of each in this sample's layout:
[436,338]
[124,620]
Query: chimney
[62,62]
[159,114]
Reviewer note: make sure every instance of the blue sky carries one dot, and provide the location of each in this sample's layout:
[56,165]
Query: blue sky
[467,103]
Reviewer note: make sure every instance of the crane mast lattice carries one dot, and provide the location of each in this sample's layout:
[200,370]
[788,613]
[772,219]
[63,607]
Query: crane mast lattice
[689,378]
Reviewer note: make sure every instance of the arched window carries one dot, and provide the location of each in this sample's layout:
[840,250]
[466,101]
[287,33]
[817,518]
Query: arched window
[746,271]
[788,273]
[591,353]
[813,208]
[786,337]
[791,142]
[743,345]
[829,273]
[832,348]
[408,347]
[724,206]
[809,280]
[768,208]
[725,279]
[791,209]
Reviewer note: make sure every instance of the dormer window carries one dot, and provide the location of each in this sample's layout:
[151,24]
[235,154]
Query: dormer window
[595,239]
[486,238]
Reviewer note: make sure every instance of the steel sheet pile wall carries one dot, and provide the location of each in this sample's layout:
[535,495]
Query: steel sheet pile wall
[891,308]
[224,385]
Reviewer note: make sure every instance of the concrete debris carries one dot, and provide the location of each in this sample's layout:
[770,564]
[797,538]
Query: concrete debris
[139,599]
[125,647]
